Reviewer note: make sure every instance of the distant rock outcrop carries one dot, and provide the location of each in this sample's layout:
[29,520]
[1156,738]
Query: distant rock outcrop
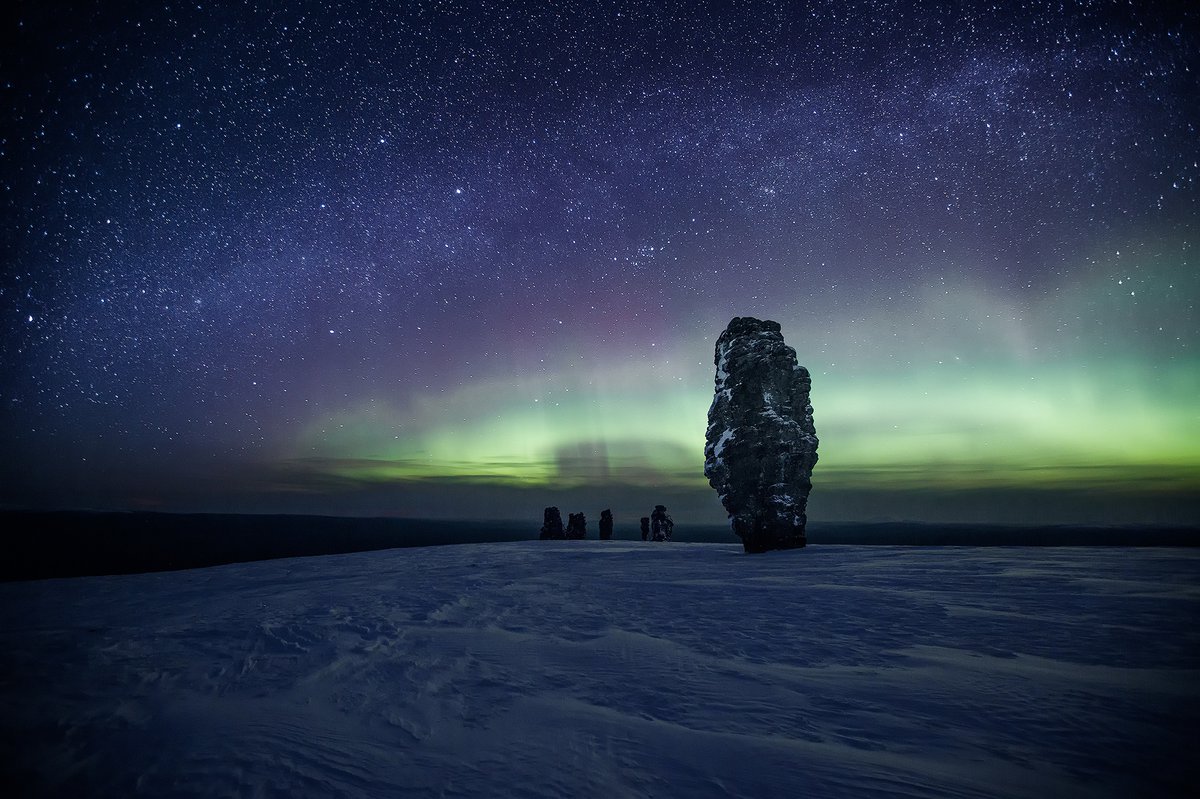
[606,525]
[661,524]
[645,528]
[576,526]
[552,526]
[761,444]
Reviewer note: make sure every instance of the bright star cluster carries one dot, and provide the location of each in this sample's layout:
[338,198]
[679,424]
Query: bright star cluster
[452,258]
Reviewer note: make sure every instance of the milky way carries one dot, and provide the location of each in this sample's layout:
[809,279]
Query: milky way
[440,259]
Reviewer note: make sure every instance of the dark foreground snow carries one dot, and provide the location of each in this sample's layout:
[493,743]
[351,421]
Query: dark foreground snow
[613,669]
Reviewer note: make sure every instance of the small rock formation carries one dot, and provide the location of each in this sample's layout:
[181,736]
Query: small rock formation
[661,524]
[645,528]
[606,525]
[552,526]
[761,444]
[576,526]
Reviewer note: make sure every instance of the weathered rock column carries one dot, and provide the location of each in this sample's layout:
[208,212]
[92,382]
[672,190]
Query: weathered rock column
[661,524]
[576,526]
[606,525]
[761,444]
[552,526]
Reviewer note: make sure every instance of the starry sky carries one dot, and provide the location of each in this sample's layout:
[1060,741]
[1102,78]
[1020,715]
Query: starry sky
[468,260]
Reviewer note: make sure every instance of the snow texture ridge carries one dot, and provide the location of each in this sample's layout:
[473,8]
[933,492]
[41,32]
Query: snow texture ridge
[614,669]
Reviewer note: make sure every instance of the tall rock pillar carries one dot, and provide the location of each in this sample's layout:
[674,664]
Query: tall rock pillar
[606,525]
[761,445]
[552,526]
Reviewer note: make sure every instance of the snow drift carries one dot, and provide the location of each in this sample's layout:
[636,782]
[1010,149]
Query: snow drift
[612,669]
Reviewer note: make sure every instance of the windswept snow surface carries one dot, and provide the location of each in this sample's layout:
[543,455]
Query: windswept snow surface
[613,669]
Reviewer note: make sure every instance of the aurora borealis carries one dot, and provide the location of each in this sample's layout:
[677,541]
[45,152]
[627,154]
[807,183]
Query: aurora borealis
[456,259]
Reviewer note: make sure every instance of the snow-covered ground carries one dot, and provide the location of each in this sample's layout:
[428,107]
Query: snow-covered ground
[613,669]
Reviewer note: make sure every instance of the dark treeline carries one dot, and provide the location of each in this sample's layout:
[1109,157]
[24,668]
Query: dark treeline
[70,543]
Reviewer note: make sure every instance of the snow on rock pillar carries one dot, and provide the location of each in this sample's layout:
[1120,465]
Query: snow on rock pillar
[661,524]
[761,445]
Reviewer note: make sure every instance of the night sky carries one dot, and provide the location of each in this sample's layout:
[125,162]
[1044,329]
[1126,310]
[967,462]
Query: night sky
[448,259]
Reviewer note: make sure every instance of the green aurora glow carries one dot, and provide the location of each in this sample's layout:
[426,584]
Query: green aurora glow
[968,390]
[951,427]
